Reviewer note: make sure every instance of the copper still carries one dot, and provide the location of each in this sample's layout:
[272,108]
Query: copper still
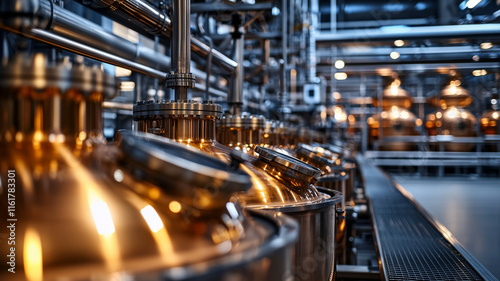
[490,121]
[453,119]
[395,120]
[85,210]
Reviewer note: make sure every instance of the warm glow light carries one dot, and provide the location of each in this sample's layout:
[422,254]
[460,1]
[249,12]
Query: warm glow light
[339,64]
[495,115]
[152,218]
[399,43]
[174,206]
[127,86]
[486,45]
[472,3]
[102,217]
[479,72]
[122,72]
[336,95]
[418,122]
[340,76]
[394,55]
[32,255]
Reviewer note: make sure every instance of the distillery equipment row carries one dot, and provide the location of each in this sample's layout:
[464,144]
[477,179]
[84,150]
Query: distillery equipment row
[452,120]
[188,195]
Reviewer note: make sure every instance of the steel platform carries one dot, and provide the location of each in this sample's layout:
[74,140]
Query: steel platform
[411,244]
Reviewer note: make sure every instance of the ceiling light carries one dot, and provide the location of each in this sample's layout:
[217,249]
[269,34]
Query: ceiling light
[394,55]
[486,45]
[340,76]
[339,64]
[122,72]
[127,86]
[472,3]
[399,43]
[479,72]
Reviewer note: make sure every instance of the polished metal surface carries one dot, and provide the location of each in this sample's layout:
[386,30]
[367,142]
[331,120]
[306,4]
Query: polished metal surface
[422,32]
[183,121]
[64,23]
[153,20]
[81,204]
[315,211]
[69,95]
[242,132]
[291,164]
[235,98]
[317,156]
[180,77]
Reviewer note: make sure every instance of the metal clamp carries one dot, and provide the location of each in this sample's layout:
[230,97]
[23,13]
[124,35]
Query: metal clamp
[180,80]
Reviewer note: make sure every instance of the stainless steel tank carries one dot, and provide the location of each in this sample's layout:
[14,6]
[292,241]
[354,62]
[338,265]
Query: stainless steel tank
[453,119]
[283,183]
[395,120]
[80,213]
[290,190]
[335,179]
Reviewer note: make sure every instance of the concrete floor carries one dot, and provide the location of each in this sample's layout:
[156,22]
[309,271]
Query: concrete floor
[468,207]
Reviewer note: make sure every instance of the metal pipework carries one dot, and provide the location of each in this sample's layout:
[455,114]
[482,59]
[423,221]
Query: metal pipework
[43,14]
[151,19]
[284,42]
[235,99]
[180,77]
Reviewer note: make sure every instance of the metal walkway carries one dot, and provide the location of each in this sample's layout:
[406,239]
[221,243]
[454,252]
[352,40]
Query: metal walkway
[411,244]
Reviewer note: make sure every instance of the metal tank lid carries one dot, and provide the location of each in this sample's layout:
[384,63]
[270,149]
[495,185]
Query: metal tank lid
[188,172]
[80,221]
[288,165]
[176,108]
[280,181]
[317,156]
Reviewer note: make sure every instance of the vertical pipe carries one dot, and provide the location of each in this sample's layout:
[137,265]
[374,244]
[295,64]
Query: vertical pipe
[266,54]
[181,48]
[364,127]
[311,50]
[284,19]
[236,101]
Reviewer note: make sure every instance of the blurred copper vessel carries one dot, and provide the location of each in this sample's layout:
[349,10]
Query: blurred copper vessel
[395,120]
[452,119]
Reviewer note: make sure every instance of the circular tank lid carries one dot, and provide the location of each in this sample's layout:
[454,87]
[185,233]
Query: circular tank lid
[174,108]
[317,154]
[185,170]
[291,165]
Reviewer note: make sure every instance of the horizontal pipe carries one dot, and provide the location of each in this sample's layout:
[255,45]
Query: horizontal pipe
[71,26]
[151,19]
[84,50]
[43,14]
[481,31]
